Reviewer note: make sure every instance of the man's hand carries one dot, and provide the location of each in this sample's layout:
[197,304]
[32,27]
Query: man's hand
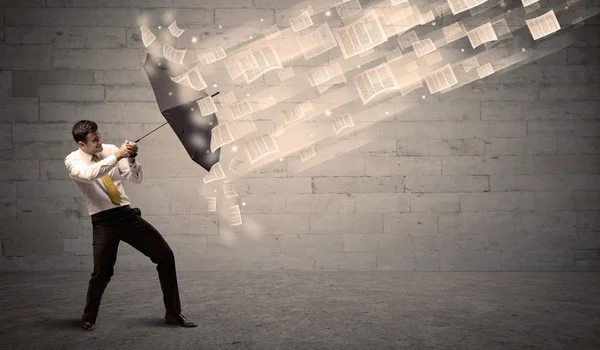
[132,148]
[123,151]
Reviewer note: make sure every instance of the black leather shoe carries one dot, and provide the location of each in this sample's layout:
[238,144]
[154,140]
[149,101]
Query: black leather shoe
[87,326]
[179,320]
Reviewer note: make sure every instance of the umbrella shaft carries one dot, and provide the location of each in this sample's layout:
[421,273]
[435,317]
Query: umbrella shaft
[138,140]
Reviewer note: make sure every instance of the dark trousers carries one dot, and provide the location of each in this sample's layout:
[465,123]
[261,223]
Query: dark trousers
[126,224]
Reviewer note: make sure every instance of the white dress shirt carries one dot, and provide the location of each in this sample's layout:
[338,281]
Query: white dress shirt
[87,175]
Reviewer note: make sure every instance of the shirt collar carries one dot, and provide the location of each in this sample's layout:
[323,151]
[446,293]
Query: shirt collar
[85,155]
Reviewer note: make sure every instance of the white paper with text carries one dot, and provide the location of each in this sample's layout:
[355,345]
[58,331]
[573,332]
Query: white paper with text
[360,36]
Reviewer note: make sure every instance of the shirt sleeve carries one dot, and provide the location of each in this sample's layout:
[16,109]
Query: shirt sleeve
[131,171]
[82,172]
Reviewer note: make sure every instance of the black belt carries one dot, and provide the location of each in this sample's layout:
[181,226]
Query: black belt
[111,213]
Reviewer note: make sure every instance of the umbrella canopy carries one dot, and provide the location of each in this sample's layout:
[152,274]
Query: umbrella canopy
[177,103]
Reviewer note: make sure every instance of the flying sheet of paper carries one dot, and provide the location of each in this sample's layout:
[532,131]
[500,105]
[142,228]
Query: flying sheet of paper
[406,40]
[337,79]
[210,55]
[348,8]
[227,99]
[147,36]
[433,58]
[532,7]
[454,31]
[221,135]
[342,122]
[426,17]
[212,203]
[442,9]
[235,216]
[484,7]
[322,74]
[257,62]
[543,25]
[215,173]
[410,82]
[235,163]
[470,63]
[362,35]
[393,55]
[207,106]
[458,6]
[501,29]
[408,19]
[229,189]
[234,68]
[172,54]
[482,34]
[374,82]
[396,16]
[485,70]
[316,42]
[307,153]
[528,2]
[175,30]
[309,9]
[300,22]
[423,47]
[272,32]
[292,115]
[441,79]
[260,147]
[191,78]
[241,109]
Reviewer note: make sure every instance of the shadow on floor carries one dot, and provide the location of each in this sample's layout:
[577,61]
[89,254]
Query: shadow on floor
[146,321]
[123,322]
[60,323]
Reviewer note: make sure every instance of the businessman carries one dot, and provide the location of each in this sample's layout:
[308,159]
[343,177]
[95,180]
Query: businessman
[98,170]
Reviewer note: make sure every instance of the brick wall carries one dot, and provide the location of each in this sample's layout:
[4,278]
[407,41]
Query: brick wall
[500,174]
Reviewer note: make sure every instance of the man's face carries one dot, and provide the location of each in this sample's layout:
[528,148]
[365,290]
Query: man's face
[93,143]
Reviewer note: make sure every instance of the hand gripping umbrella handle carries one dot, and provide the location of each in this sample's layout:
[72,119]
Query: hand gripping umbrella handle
[138,140]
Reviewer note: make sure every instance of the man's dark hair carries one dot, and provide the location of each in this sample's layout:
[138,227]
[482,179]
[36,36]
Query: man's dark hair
[82,128]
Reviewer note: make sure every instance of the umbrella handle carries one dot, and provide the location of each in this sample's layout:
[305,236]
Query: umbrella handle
[138,140]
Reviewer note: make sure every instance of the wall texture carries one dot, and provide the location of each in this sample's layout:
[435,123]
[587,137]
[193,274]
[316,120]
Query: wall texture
[501,174]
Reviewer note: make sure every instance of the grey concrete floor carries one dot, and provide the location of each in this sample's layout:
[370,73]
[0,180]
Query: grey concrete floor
[309,310]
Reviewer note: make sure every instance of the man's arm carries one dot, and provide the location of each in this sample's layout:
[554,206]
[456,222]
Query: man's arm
[82,172]
[131,170]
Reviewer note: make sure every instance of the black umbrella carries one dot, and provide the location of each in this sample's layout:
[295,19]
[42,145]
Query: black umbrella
[177,103]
